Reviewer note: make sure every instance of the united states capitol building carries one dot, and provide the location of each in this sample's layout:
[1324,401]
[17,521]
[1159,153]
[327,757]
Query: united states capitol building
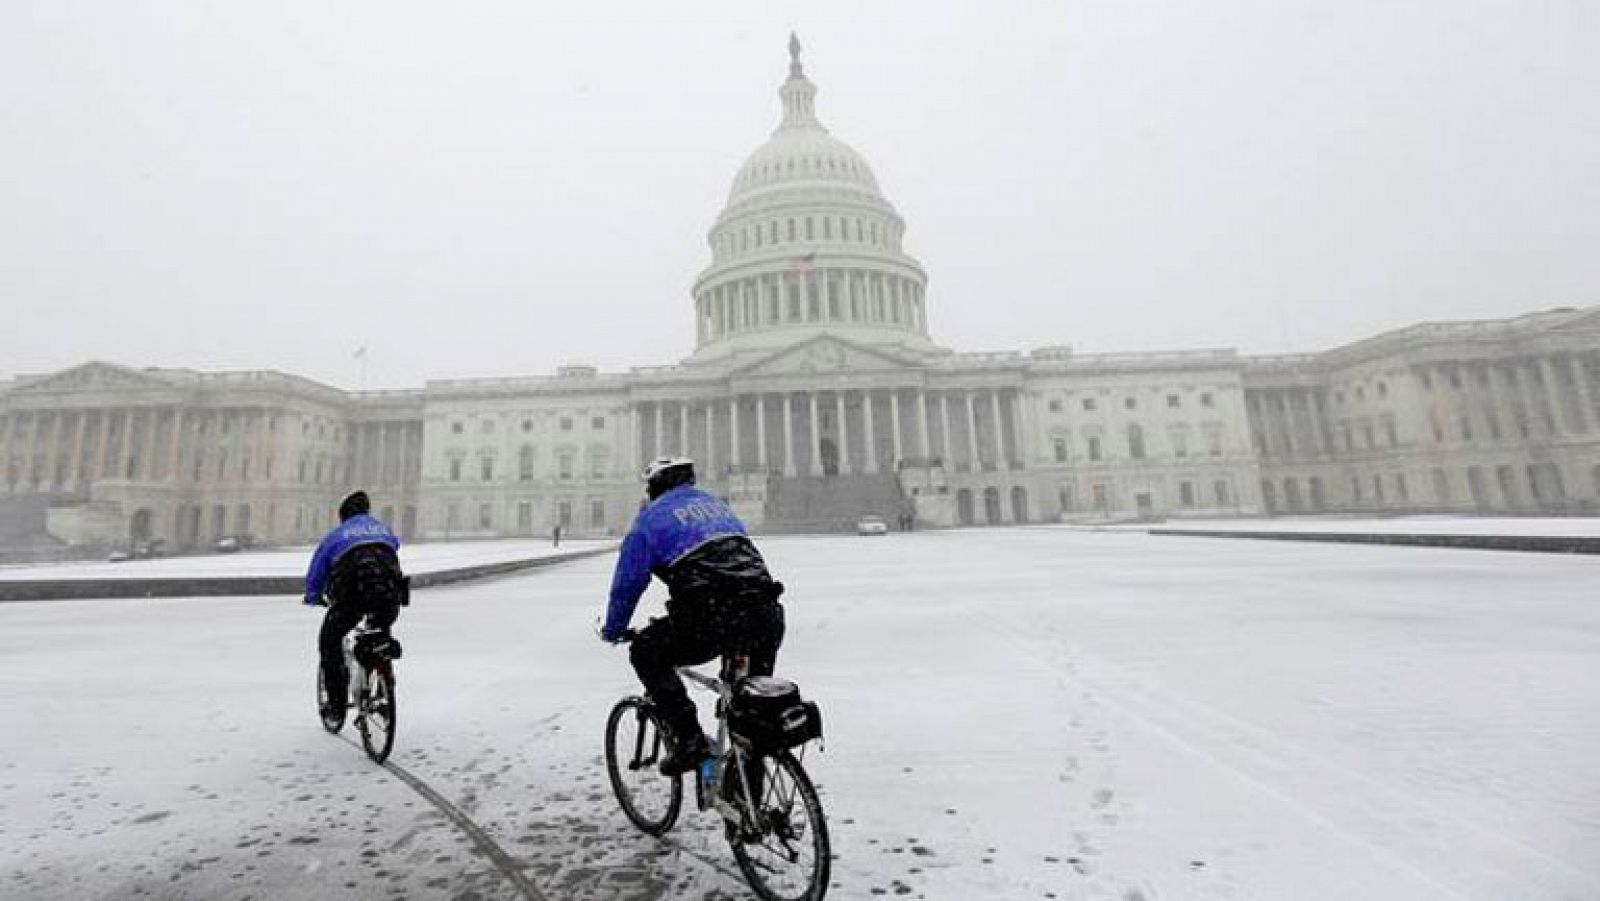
[815,394]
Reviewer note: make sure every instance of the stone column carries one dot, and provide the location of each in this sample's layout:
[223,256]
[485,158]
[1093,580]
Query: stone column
[869,432]
[1551,397]
[75,462]
[635,436]
[711,439]
[1580,380]
[761,432]
[54,453]
[175,445]
[1530,398]
[972,434]
[922,425]
[103,445]
[944,430]
[147,465]
[5,450]
[683,428]
[894,422]
[844,433]
[788,434]
[733,427]
[125,445]
[30,457]
[816,438]
[1002,459]
[656,444]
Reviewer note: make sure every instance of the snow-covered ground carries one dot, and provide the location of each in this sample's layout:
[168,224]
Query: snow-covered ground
[416,558]
[1413,525]
[1012,714]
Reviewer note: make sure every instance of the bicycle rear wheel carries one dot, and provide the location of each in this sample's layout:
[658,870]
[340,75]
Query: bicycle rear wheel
[785,855]
[376,718]
[635,746]
[331,723]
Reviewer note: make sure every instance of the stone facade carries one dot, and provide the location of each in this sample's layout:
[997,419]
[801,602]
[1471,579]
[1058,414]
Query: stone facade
[814,394]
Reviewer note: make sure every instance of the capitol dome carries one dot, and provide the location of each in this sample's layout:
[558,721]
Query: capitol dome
[806,244]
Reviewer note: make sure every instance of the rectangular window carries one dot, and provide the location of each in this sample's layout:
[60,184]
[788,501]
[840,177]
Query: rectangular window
[1174,401]
[1055,405]
[1089,404]
[1219,489]
[455,469]
[564,514]
[566,423]
[1206,400]
[597,423]
[1094,447]
[485,516]
[525,517]
[564,470]
[1186,494]
[486,469]
[597,514]
[1061,450]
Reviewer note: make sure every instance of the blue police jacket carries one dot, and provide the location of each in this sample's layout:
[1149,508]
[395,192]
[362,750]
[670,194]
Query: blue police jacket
[353,532]
[668,529]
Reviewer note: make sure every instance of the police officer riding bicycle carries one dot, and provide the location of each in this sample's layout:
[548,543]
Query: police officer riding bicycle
[721,599]
[355,573]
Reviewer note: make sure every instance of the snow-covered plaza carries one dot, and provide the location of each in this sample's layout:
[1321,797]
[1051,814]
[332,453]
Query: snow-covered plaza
[1011,714]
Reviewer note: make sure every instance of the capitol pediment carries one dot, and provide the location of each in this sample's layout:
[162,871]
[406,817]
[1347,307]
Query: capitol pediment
[823,355]
[94,376]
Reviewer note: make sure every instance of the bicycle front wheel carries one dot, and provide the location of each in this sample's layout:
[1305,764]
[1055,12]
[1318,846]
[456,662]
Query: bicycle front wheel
[377,717]
[785,854]
[635,746]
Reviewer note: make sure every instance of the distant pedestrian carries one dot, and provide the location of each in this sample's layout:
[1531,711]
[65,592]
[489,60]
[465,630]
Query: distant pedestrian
[555,535]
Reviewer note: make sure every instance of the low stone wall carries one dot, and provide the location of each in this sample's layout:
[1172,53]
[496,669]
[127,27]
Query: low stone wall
[242,586]
[1544,544]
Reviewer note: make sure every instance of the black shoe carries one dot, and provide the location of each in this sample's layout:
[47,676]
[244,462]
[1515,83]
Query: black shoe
[332,710]
[686,756]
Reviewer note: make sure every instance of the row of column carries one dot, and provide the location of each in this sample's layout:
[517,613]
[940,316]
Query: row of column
[65,449]
[386,453]
[1551,392]
[823,296]
[984,434]
[1301,427]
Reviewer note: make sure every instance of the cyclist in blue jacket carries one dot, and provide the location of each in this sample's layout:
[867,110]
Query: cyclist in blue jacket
[721,598]
[355,573]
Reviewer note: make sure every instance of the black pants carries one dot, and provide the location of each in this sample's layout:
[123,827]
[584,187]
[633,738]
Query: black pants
[343,615]
[693,633]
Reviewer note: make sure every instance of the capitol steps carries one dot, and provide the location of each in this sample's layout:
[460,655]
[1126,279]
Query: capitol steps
[817,504]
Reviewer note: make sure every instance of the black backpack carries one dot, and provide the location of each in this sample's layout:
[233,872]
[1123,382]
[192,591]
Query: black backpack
[370,573]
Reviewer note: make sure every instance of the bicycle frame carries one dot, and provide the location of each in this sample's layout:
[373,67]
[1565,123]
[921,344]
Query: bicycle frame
[725,748]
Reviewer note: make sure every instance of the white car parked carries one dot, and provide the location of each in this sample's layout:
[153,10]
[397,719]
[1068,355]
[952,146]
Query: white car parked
[871,525]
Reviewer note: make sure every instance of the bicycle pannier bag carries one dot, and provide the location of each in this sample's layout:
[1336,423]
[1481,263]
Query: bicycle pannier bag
[770,714]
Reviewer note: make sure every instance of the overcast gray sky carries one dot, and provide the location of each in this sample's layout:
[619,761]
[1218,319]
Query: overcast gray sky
[496,188]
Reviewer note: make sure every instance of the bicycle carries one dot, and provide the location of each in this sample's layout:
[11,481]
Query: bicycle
[369,656]
[772,817]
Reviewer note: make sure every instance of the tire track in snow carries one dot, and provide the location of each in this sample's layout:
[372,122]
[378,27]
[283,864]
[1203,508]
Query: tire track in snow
[503,861]
[497,855]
